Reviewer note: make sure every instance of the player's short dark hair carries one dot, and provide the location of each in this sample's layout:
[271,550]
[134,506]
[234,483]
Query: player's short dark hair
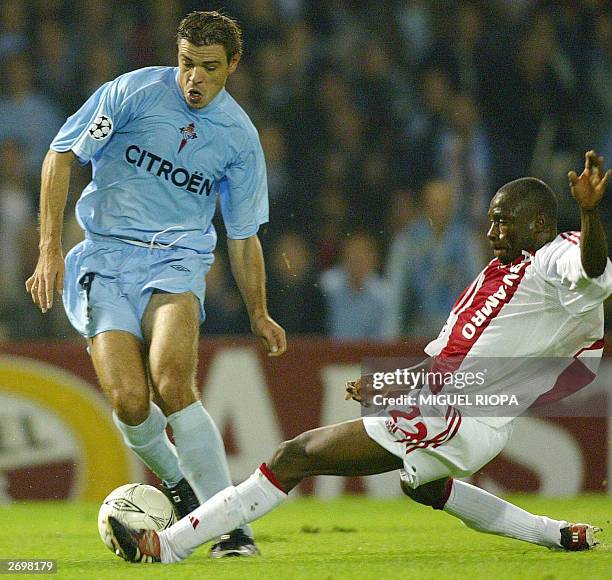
[535,194]
[206,28]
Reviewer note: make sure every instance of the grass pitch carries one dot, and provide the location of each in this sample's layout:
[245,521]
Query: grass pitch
[309,539]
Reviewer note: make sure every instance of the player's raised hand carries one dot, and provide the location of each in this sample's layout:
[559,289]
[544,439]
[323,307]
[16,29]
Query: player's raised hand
[47,277]
[353,390]
[588,188]
[271,334]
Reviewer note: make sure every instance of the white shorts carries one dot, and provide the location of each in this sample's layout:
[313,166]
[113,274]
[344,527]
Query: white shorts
[437,447]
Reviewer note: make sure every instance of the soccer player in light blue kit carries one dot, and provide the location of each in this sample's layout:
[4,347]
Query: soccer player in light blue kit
[164,143]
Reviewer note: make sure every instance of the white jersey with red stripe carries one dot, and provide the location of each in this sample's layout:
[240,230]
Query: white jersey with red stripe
[541,308]
[542,305]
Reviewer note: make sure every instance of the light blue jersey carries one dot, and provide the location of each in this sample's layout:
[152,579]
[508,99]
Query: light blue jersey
[158,164]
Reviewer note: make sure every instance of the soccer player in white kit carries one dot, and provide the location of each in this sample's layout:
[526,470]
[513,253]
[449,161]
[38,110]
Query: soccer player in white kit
[541,296]
[164,144]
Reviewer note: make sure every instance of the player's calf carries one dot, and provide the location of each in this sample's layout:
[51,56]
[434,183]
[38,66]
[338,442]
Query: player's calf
[343,449]
[131,408]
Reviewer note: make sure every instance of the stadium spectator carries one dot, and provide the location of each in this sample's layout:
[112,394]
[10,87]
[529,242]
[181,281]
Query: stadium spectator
[13,28]
[356,296]
[99,22]
[457,48]
[414,22]
[225,313]
[429,263]
[16,224]
[462,153]
[401,213]
[348,78]
[164,16]
[294,296]
[531,109]
[273,86]
[302,52]
[380,89]
[58,78]
[261,21]
[599,78]
[423,133]
[275,148]
[370,185]
[101,66]
[28,116]
[331,209]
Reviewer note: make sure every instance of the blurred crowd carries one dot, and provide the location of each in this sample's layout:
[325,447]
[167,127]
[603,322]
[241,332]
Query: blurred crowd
[387,126]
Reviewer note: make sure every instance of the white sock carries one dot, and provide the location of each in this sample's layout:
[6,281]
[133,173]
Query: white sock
[484,512]
[201,454]
[150,442]
[229,509]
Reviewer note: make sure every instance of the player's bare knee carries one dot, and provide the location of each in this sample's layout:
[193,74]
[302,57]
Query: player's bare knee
[288,453]
[290,462]
[131,410]
[175,390]
[174,398]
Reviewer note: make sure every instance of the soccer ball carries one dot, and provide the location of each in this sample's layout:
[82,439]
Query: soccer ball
[101,127]
[140,506]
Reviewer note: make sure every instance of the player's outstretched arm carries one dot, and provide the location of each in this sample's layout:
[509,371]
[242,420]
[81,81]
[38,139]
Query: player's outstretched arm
[588,190]
[354,389]
[49,272]
[246,260]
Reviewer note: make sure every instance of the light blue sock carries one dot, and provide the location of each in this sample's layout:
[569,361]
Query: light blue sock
[150,442]
[201,453]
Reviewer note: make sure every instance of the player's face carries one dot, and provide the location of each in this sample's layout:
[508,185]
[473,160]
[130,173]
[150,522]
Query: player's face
[203,71]
[511,228]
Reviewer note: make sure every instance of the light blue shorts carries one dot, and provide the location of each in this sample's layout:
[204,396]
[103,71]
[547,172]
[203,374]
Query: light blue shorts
[108,283]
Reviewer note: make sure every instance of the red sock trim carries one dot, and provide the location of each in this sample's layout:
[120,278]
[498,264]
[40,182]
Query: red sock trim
[271,477]
[447,491]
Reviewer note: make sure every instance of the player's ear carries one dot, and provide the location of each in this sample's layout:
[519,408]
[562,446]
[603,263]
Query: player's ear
[233,63]
[541,222]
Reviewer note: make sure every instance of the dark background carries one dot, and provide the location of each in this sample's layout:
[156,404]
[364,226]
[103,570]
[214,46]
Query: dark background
[387,128]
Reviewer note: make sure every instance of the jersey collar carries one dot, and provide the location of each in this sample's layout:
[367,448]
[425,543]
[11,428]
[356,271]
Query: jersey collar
[523,258]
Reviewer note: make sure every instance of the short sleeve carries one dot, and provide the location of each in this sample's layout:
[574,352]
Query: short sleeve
[244,193]
[91,127]
[560,264]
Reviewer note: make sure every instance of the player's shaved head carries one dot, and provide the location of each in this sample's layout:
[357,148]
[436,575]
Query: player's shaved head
[529,193]
[208,28]
[522,217]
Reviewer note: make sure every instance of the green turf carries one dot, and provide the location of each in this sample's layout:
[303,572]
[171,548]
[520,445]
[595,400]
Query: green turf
[348,538]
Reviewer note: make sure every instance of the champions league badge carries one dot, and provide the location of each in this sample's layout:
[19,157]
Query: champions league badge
[101,128]
[187,133]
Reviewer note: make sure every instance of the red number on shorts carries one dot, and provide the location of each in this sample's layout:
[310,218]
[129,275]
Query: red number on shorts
[401,425]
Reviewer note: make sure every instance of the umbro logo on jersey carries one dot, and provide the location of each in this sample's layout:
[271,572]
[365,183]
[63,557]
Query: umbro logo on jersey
[180,268]
[187,133]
